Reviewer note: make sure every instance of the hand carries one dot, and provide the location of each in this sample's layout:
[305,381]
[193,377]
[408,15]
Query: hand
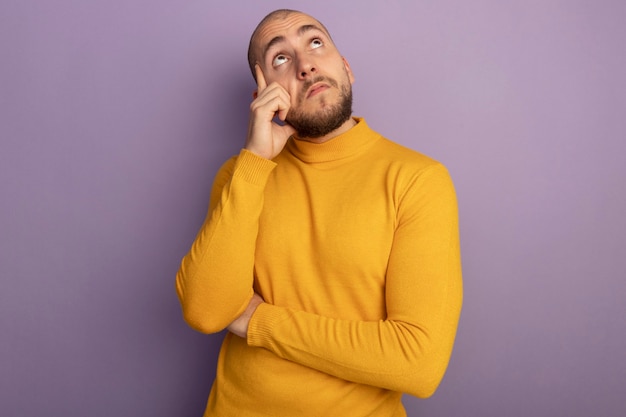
[265,137]
[240,325]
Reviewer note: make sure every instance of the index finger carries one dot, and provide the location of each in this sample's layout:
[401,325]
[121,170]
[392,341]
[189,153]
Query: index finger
[260,78]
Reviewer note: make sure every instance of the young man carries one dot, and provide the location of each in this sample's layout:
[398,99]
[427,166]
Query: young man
[329,252]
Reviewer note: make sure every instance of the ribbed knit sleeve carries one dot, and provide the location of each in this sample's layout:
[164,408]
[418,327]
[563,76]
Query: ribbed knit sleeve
[410,349]
[214,282]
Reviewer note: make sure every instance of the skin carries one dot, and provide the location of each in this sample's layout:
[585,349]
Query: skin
[291,55]
[283,70]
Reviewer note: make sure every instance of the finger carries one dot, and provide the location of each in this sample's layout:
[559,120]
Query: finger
[271,91]
[282,112]
[260,78]
[274,99]
[270,102]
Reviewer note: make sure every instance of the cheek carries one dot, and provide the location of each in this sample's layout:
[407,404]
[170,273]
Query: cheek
[293,90]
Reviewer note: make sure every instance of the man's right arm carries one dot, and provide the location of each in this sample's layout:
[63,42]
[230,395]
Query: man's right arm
[214,282]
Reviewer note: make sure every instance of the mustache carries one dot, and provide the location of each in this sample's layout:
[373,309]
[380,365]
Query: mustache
[307,84]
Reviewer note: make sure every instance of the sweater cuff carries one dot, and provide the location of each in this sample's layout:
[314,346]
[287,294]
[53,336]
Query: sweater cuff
[264,319]
[253,168]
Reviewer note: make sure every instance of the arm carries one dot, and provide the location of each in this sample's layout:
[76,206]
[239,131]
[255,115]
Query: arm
[214,282]
[410,349]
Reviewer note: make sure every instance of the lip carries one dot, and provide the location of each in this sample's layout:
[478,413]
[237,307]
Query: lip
[316,89]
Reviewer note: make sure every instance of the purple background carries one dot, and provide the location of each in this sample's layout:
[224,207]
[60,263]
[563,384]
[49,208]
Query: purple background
[115,116]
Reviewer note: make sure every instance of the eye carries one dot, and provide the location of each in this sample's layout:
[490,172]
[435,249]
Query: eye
[279,60]
[316,43]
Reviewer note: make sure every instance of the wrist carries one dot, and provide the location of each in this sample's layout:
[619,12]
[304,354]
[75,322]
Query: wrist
[258,152]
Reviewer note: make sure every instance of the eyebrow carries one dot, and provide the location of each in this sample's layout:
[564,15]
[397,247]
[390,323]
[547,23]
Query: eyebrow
[301,31]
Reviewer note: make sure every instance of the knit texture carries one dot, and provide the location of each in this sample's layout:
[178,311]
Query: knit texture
[354,246]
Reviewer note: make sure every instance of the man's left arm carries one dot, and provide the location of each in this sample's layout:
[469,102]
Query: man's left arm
[409,350]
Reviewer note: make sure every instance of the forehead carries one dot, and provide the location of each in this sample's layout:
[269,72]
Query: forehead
[284,28]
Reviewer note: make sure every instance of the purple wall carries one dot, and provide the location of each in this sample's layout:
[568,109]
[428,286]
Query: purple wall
[115,116]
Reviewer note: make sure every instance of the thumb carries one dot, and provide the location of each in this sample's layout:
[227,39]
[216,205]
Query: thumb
[288,129]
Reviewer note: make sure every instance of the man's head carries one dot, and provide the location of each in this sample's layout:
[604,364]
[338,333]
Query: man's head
[296,51]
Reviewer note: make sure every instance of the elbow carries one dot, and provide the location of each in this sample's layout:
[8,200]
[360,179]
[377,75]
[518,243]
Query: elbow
[425,389]
[200,319]
[202,324]
[195,313]
[425,366]
[209,316]
[425,382]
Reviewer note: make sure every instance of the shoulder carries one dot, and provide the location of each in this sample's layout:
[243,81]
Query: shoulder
[421,183]
[403,161]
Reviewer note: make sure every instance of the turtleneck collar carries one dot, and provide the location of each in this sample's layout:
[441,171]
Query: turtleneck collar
[350,143]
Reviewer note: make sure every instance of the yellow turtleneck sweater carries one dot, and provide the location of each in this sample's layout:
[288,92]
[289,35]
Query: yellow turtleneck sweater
[354,246]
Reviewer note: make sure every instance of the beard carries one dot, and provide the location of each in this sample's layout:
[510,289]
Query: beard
[327,119]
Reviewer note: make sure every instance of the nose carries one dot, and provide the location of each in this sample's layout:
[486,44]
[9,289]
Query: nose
[306,68]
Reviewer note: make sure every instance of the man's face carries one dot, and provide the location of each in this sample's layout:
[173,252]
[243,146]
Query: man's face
[297,53]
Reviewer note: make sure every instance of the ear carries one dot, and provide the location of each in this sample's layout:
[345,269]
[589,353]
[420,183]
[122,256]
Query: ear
[348,70]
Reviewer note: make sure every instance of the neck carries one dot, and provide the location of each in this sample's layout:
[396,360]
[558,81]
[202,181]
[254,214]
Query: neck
[347,125]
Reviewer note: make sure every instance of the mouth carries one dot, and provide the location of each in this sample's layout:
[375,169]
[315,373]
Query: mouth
[316,89]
